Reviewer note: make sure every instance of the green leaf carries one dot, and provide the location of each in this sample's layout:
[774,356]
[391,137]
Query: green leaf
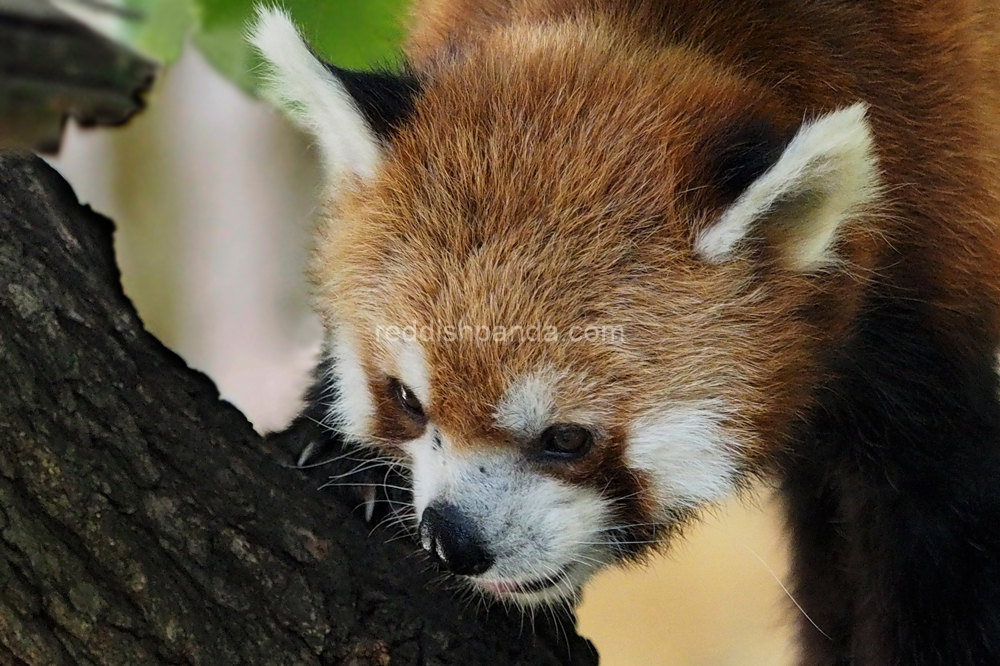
[349,33]
[161,28]
[356,34]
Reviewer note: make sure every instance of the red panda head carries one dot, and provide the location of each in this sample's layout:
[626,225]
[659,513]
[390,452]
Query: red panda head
[583,287]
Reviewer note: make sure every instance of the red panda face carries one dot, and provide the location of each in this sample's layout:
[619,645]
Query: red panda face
[581,292]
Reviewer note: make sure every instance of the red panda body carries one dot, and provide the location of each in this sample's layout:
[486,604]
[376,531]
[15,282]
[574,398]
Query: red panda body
[788,209]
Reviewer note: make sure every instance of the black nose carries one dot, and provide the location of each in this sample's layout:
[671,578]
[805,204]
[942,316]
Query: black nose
[453,540]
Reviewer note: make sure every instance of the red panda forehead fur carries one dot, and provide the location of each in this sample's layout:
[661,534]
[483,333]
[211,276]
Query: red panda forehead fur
[556,177]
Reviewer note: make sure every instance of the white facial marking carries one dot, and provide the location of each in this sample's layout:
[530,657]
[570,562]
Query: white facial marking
[687,453]
[313,97]
[428,469]
[528,405]
[827,173]
[353,409]
[412,370]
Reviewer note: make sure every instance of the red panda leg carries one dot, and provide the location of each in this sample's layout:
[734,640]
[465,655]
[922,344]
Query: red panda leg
[822,593]
[893,499]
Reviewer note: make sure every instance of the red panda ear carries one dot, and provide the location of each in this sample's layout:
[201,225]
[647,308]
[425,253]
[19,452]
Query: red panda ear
[350,114]
[823,177]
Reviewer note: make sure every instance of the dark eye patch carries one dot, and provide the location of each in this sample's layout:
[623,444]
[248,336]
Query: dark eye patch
[399,415]
[635,522]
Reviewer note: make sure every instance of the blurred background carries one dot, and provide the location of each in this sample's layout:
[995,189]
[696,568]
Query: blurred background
[213,197]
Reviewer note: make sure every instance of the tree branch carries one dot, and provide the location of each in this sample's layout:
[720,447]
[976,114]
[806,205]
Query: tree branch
[52,66]
[142,521]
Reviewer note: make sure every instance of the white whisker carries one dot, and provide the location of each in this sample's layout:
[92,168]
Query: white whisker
[787,592]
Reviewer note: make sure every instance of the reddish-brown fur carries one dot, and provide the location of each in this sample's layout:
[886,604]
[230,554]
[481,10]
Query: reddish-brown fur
[928,68]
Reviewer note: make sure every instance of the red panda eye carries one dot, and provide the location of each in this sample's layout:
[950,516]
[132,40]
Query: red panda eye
[407,399]
[566,441]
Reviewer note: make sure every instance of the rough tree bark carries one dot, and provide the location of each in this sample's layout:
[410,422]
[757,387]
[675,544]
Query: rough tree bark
[142,521]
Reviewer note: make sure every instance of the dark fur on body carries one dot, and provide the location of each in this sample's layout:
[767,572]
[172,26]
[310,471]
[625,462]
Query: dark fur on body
[892,500]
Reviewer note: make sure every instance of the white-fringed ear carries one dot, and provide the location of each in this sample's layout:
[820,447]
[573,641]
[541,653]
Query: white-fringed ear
[826,174]
[306,89]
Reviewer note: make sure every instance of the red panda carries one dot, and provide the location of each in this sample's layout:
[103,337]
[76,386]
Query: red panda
[589,266]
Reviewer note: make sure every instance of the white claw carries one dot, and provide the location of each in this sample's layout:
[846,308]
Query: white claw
[369,503]
[306,453]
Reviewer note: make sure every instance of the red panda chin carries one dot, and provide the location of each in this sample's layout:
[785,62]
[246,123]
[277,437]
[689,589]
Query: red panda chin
[510,587]
[556,589]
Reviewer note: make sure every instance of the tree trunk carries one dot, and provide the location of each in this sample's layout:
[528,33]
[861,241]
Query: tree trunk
[143,521]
